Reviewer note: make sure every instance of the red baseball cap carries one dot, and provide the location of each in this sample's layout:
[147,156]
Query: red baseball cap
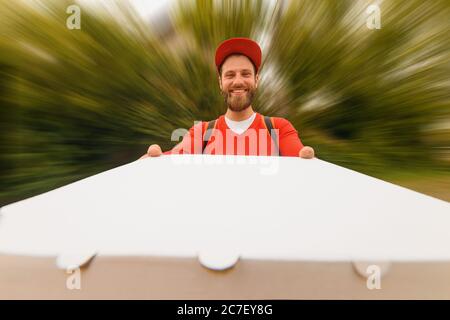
[245,46]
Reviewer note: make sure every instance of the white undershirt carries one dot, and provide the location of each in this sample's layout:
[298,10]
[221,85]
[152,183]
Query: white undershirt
[239,127]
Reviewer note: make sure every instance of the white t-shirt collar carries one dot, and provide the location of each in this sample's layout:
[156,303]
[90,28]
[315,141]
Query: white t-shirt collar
[239,127]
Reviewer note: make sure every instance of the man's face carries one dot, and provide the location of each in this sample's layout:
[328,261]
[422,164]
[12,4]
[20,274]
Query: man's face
[238,82]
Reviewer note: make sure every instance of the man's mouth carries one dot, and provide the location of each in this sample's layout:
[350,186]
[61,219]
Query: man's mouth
[238,91]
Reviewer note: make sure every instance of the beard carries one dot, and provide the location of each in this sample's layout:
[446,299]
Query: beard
[239,103]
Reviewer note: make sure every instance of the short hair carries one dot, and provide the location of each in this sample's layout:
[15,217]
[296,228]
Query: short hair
[236,55]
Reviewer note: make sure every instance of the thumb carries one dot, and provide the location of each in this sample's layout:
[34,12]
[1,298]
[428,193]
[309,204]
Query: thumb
[306,153]
[154,151]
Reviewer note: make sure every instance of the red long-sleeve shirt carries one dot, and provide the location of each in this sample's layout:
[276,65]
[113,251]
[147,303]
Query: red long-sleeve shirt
[254,141]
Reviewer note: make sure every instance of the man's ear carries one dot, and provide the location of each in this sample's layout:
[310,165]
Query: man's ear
[256,80]
[220,82]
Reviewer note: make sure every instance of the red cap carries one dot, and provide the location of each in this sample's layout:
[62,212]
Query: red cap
[245,46]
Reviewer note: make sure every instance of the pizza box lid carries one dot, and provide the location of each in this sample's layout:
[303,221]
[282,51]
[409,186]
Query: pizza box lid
[224,208]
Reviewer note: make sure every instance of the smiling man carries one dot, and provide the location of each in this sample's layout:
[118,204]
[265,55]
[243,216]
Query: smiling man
[241,130]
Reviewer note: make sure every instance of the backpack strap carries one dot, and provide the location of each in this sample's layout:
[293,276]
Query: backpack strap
[208,132]
[272,133]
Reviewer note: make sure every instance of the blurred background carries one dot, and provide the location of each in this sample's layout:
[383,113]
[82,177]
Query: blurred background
[78,102]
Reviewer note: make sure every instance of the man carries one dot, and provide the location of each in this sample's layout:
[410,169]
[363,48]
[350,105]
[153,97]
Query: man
[241,131]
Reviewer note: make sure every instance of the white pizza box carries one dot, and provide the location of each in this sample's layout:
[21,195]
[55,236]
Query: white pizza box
[227,227]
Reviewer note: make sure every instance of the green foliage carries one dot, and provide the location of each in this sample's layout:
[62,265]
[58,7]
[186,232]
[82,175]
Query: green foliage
[77,102]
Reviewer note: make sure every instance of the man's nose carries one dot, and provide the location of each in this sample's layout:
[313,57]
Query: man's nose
[238,81]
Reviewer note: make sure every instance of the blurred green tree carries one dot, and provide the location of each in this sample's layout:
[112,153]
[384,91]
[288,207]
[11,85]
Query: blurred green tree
[77,102]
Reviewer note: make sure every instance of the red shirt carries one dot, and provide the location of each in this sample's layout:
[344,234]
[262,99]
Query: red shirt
[254,141]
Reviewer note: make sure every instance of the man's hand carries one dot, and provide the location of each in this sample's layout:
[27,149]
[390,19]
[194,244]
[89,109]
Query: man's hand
[306,153]
[153,151]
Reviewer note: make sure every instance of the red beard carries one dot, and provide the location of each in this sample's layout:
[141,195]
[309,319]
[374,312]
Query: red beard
[239,103]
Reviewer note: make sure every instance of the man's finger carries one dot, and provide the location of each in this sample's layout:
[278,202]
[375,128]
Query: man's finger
[154,150]
[306,153]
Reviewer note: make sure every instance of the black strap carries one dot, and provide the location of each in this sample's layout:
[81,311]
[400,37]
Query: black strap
[272,133]
[208,133]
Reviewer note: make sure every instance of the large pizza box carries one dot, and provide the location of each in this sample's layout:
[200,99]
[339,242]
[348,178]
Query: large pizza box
[226,227]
